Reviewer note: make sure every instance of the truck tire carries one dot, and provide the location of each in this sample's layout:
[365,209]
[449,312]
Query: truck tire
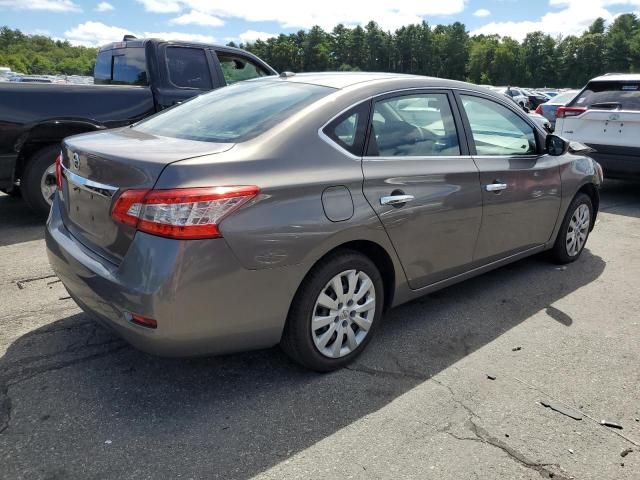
[38,182]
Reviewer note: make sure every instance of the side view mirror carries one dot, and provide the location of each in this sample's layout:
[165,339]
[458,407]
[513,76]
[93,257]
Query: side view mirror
[556,145]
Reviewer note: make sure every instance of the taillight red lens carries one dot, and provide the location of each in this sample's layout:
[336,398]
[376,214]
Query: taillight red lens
[539,110]
[59,171]
[564,112]
[144,321]
[183,213]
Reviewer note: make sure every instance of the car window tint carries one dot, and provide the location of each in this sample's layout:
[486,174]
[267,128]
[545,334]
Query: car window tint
[413,125]
[610,95]
[348,130]
[188,68]
[497,130]
[236,68]
[130,69]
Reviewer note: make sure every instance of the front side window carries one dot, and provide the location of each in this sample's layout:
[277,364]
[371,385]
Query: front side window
[497,130]
[234,114]
[419,125]
[188,68]
[236,68]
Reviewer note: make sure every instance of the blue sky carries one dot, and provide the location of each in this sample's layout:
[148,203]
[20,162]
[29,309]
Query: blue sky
[95,22]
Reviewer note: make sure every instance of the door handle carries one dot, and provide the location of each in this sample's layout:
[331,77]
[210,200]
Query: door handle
[396,199]
[495,187]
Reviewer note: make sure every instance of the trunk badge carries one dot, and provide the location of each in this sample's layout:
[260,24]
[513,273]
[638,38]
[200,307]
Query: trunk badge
[614,116]
[76,161]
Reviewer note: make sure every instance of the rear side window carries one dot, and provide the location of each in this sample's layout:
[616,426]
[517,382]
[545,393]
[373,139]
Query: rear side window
[236,113]
[348,130]
[610,96]
[124,66]
[236,68]
[188,68]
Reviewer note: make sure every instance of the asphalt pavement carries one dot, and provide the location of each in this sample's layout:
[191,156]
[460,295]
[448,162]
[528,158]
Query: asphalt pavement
[452,387]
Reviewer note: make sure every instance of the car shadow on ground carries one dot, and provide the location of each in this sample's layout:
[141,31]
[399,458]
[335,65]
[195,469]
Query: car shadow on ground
[17,223]
[78,402]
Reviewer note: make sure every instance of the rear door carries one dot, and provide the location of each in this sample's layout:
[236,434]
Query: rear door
[422,183]
[521,185]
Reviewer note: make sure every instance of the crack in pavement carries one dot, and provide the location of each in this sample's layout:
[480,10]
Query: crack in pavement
[479,434]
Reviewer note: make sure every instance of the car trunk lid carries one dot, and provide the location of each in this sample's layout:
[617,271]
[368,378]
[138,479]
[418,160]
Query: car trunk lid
[98,167]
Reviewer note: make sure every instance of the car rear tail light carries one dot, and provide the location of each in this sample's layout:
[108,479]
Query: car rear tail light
[564,112]
[539,110]
[182,213]
[59,171]
[144,321]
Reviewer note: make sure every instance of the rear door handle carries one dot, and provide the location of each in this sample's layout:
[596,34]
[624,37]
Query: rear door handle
[495,187]
[396,199]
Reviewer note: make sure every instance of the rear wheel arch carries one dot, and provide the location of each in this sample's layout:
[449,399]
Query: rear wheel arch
[374,252]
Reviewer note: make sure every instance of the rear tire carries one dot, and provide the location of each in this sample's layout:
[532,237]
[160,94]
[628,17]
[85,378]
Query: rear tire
[37,177]
[312,331]
[574,230]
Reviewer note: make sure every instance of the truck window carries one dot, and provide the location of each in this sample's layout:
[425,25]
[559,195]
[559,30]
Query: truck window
[124,66]
[236,68]
[188,68]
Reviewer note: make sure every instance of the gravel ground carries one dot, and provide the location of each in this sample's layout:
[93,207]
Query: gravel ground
[77,402]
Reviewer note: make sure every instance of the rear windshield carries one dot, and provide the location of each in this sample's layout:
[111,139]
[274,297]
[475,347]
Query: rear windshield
[563,98]
[236,113]
[610,96]
[124,66]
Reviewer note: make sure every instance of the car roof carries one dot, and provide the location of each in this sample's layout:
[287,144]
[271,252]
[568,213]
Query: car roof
[617,77]
[341,80]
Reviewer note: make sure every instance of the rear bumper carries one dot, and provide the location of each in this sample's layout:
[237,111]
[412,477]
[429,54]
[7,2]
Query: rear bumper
[617,162]
[204,301]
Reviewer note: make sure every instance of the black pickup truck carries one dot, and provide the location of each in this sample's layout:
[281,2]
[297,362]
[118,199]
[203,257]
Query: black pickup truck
[133,79]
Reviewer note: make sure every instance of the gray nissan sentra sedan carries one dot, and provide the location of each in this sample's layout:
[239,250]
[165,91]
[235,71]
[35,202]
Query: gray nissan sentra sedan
[297,209]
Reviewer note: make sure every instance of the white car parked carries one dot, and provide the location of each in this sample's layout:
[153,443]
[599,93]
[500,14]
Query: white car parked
[605,115]
[515,93]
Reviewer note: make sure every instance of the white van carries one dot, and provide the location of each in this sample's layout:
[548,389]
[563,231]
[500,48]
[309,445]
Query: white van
[606,116]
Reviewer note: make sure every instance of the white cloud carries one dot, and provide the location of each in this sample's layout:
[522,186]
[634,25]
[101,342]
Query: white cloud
[197,18]
[573,18]
[48,5]
[251,36]
[326,13]
[161,6]
[95,34]
[104,7]
[482,12]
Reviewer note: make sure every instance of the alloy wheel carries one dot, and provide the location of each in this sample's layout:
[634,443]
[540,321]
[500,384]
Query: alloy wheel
[343,313]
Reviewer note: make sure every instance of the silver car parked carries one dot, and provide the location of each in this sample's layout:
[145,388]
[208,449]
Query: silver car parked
[297,209]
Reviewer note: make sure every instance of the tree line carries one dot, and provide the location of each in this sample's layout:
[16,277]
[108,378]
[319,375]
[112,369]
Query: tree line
[447,51]
[39,54]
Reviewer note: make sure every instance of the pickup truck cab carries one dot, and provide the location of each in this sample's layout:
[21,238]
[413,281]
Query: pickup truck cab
[605,115]
[133,79]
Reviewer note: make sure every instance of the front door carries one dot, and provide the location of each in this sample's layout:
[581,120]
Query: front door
[423,184]
[521,185]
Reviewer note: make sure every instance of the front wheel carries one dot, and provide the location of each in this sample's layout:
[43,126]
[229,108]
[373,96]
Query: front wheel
[335,312]
[38,182]
[574,230]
